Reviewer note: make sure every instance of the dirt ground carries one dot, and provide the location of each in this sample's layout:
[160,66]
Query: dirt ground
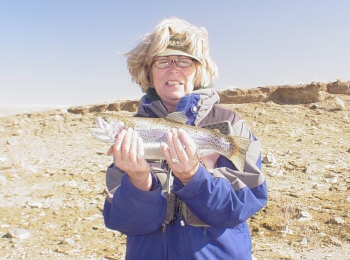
[52,175]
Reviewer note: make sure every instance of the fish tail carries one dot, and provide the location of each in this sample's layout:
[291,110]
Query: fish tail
[239,151]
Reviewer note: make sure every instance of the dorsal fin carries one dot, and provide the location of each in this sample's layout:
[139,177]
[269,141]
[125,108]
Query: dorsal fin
[177,117]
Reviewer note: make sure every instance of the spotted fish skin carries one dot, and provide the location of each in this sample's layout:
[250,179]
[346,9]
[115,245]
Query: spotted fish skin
[153,131]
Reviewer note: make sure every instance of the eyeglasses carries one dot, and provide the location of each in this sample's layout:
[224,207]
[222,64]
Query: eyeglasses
[181,63]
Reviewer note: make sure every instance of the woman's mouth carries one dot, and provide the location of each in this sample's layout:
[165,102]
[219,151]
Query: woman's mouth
[174,83]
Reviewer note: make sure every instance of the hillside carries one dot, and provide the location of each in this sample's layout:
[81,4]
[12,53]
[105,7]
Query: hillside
[52,177]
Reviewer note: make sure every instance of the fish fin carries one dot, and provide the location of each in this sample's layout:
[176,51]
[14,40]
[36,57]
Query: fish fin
[177,117]
[224,127]
[240,151]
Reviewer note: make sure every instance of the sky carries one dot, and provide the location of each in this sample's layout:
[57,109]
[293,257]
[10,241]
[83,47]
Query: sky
[71,52]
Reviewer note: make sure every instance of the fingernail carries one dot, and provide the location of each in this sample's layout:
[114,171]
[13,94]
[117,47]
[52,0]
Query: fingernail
[164,146]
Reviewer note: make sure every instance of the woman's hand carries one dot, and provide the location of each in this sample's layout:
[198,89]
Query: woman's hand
[181,155]
[128,152]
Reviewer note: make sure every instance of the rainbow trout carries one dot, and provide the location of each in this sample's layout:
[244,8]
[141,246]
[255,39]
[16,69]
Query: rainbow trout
[153,132]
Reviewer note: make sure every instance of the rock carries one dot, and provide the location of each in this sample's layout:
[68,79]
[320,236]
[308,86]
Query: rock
[310,168]
[277,174]
[17,132]
[240,96]
[98,108]
[114,106]
[303,241]
[20,233]
[269,158]
[35,204]
[339,103]
[79,110]
[331,180]
[314,106]
[302,94]
[67,241]
[304,216]
[336,221]
[339,88]
[130,106]
[299,94]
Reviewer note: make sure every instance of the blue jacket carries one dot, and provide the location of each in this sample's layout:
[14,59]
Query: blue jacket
[219,200]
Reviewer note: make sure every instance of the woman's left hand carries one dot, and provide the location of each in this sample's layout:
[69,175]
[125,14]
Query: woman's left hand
[181,155]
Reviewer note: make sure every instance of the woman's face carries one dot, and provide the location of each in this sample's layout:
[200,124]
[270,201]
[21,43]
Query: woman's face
[174,82]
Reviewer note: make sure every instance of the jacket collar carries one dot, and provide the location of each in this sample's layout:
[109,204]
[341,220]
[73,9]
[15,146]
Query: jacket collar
[195,106]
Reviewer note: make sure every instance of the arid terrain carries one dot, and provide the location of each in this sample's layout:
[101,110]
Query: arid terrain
[52,174]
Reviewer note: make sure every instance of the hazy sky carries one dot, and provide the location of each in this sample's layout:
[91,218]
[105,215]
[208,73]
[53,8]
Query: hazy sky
[69,52]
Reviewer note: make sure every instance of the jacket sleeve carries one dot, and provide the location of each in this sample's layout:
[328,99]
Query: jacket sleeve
[131,210]
[225,197]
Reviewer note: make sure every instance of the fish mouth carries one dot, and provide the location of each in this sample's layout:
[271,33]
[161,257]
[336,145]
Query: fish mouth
[174,83]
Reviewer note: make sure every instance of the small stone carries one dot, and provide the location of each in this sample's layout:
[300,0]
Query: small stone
[20,233]
[70,241]
[289,152]
[303,241]
[332,180]
[17,132]
[35,204]
[304,216]
[336,220]
[339,103]
[310,168]
[314,106]
[269,158]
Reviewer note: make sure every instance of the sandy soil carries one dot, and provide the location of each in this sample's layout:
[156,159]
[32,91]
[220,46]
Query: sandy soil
[52,184]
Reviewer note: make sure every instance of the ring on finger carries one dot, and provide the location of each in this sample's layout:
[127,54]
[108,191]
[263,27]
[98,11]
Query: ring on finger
[175,159]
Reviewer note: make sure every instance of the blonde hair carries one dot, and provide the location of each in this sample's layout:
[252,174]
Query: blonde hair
[195,42]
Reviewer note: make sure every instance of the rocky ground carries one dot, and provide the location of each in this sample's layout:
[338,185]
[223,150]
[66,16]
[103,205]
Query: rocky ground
[52,183]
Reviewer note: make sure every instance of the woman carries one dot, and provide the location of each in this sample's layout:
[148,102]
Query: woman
[184,207]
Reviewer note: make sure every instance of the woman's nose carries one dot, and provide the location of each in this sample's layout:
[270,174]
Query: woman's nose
[173,66]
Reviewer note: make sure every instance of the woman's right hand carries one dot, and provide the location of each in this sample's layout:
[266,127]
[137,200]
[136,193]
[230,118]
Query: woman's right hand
[128,153]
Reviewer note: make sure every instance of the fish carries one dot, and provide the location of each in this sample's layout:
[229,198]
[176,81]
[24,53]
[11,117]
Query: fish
[153,132]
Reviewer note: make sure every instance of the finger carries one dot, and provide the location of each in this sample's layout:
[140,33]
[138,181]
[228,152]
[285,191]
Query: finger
[133,147]
[189,144]
[179,147]
[125,149]
[165,150]
[118,146]
[140,149]
[171,147]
